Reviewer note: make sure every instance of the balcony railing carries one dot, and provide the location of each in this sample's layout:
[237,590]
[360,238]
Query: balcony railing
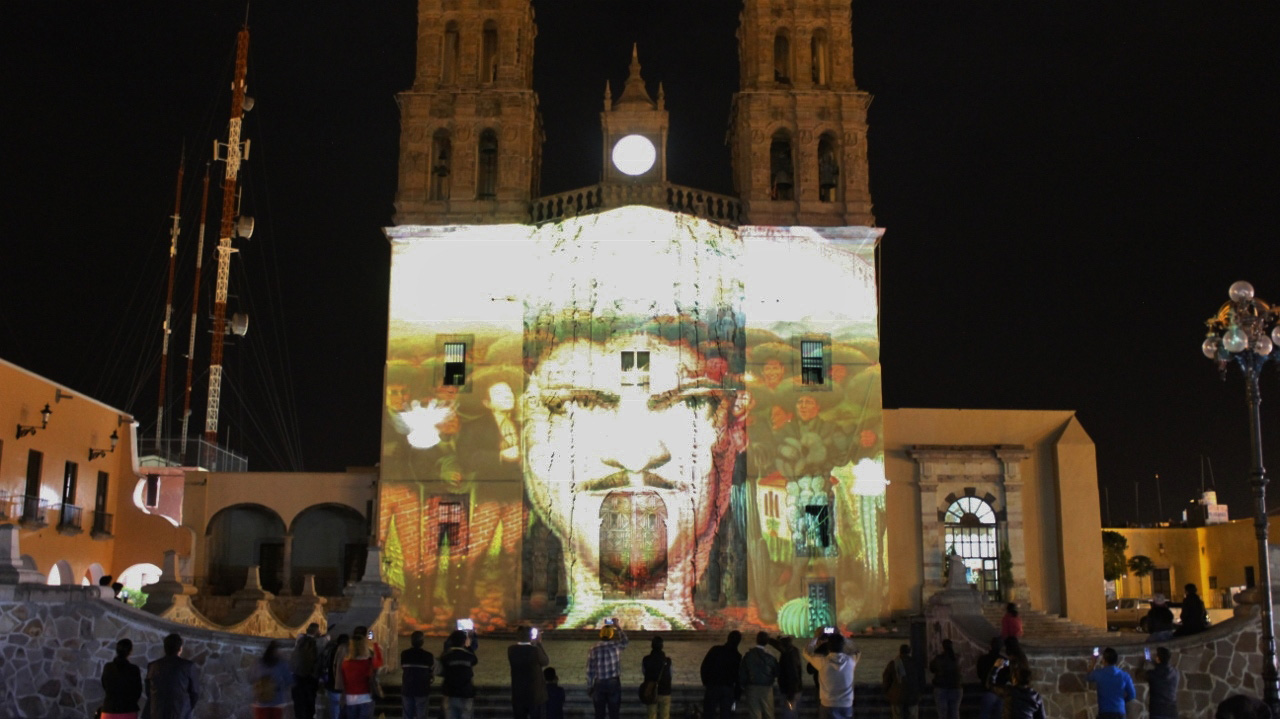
[102,524]
[34,512]
[70,519]
[720,209]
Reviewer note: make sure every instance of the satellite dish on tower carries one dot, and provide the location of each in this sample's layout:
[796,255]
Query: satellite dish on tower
[244,227]
[239,324]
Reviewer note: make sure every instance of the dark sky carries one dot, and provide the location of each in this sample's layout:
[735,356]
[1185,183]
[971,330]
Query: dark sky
[1068,190]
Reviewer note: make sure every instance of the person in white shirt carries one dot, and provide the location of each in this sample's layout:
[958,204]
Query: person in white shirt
[835,663]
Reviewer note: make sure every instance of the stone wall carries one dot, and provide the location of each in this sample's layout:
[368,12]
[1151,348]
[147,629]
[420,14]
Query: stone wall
[1214,665]
[54,642]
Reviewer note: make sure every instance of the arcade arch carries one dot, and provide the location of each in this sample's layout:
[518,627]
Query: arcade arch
[242,536]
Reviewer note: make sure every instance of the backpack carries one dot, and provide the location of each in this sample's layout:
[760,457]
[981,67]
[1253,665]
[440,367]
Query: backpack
[325,673]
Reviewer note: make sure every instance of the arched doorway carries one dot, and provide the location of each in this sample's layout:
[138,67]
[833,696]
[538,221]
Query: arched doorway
[60,573]
[970,526]
[633,546]
[329,541]
[242,536]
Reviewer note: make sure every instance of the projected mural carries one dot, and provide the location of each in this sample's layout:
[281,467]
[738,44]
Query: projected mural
[634,414]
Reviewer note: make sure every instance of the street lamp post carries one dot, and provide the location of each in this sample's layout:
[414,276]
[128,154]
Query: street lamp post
[1245,330]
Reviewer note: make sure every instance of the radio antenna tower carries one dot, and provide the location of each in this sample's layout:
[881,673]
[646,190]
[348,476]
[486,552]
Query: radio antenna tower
[168,302]
[231,228]
[195,305]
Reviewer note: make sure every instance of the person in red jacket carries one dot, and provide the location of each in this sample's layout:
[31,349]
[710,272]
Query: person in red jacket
[359,679]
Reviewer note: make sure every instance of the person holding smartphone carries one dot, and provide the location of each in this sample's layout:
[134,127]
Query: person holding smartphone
[456,667]
[604,670]
[1114,685]
[835,674]
[1163,680]
[528,685]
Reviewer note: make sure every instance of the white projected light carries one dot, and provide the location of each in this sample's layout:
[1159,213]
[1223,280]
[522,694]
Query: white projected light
[634,155]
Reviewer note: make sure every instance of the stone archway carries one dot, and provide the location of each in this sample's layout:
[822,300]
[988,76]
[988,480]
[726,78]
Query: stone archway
[329,541]
[241,536]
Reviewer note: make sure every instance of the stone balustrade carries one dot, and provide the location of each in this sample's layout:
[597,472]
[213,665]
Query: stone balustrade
[720,209]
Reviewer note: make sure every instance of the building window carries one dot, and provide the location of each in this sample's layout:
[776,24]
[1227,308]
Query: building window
[828,169]
[1249,580]
[820,60]
[489,53]
[31,506]
[69,483]
[452,535]
[449,66]
[100,493]
[781,170]
[811,362]
[487,185]
[970,531]
[1213,582]
[152,494]
[455,364]
[635,369]
[782,58]
[441,165]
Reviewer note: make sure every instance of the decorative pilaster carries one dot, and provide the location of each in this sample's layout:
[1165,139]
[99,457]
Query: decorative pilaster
[12,570]
[1011,461]
[164,594]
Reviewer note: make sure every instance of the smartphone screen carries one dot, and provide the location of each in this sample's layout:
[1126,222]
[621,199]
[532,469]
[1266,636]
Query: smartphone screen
[533,633]
[466,625]
[371,635]
[1146,652]
[828,630]
[1095,651]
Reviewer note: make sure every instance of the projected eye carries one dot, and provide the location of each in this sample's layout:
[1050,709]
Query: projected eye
[697,397]
[563,401]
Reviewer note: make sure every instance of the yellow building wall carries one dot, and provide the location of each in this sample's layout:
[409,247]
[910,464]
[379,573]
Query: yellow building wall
[1215,554]
[1060,504]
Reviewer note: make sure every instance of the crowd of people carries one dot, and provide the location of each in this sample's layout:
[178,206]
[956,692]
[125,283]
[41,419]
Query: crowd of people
[345,671]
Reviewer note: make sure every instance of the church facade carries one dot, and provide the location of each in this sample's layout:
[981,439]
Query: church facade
[656,403]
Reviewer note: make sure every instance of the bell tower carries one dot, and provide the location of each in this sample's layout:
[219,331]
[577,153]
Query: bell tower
[635,132]
[470,131]
[798,132]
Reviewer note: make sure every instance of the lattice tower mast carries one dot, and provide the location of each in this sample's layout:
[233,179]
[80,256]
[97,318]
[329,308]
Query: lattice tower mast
[168,301]
[195,305]
[235,153]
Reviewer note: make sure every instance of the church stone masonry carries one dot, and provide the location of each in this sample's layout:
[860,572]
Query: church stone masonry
[471,135]
[799,123]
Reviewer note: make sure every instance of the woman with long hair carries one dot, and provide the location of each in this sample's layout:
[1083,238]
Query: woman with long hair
[122,682]
[271,680]
[359,679]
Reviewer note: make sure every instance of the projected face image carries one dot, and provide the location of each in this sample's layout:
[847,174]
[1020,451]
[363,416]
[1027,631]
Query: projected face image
[625,452]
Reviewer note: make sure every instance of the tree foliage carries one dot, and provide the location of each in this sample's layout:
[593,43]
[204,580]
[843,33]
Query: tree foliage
[1113,560]
[1141,565]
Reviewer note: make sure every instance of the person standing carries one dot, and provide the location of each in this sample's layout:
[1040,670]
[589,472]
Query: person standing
[1011,623]
[359,679]
[418,667]
[719,673]
[555,695]
[947,688]
[528,685]
[757,673]
[1162,680]
[987,667]
[901,685]
[1195,618]
[1020,700]
[305,663]
[604,670]
[835,674]
[272,681]
[457,672]
[656,666]
[790,676]
[331,673]
[172,685]
[1114,685]
[122,684]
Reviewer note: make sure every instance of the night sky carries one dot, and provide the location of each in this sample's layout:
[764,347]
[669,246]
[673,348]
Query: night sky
[1068,189]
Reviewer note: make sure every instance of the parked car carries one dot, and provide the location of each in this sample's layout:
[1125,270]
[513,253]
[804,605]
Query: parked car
[1131,613]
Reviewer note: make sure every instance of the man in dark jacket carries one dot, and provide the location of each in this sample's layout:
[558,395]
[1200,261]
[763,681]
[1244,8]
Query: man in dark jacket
[757,672]
[1195,618]
[1162,699]
[173,684]
[457,669]
[948,690]
[121,682]
[305,663]
[790,676]
[901,685]
[1159,620]
[990,707]
[720,677]
[657,668]
[1021,701]
[528,685]
[418,667]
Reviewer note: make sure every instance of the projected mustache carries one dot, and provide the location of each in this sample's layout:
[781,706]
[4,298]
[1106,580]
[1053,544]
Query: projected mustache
[619,480]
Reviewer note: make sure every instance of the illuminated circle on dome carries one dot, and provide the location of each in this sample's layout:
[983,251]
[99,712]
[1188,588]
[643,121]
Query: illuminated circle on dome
[634,155]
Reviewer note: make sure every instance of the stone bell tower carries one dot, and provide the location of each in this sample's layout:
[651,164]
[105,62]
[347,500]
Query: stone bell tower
[470,132]
[639,123]
[798,133]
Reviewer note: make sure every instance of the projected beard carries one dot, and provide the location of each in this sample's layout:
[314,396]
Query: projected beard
[629,456]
